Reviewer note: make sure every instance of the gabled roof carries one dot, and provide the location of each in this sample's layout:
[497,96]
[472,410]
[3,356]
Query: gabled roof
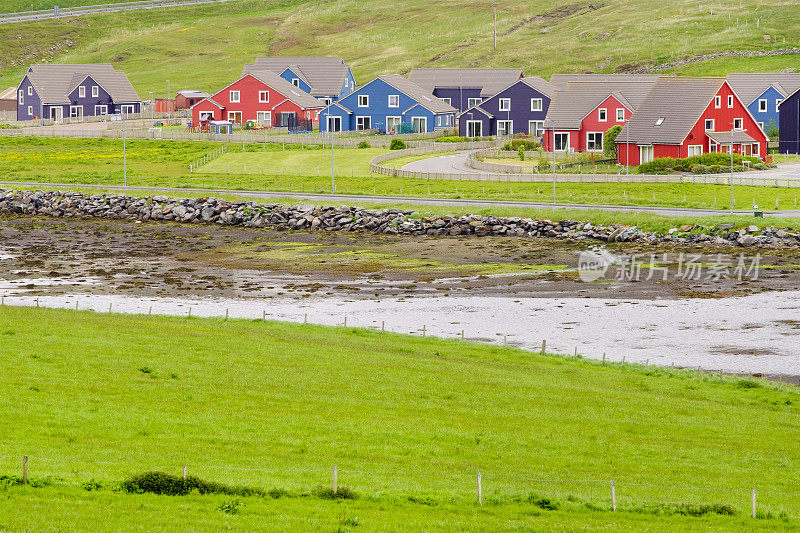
[325,75]
[749,86]
[417,93]
[569,106]
[560,80]
[726,137]
[544,87]
[9,94]
[53,83]
[210,101]
[490,80]
[194,94]
[289,91]
[473,109]
[679,101]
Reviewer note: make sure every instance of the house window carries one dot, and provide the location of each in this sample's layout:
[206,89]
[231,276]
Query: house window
[100,110]
[738,124]
[393,123]
[346,82]
[264,118]
[778,104]
[536,104]
[446,101]
[30,110]
[420,124]
[394,100]
[234,96]
[536,127]
[730,101]
[474,128]
[602,114]
[296,82]
[660,121]
[75,111]
[472,102]
[756,149]
[363,100]
[326,101]
[594,141]
[235,117]
[695,149]
[21,97]
[263,96]
[505,127]
[562,142]
[95,91]
[30,90]
[505,104]
[646,153]
[363,123]
[81,92]
[709,124]
[761,125]
[718,101]
[762,105]
[128,109]
[620,114]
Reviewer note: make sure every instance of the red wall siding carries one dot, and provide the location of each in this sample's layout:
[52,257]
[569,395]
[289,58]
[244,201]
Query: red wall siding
[205,107]
[592,122]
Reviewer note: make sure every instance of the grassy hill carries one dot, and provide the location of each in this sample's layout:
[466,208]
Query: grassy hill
[15,6]
[407,420]
[205,46]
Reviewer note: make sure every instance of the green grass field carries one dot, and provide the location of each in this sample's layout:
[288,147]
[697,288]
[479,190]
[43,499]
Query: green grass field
[179,43]
[15,6]
[407,420]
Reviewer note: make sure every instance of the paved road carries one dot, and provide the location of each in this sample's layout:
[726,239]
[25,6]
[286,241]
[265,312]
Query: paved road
[370,199]
[26,16]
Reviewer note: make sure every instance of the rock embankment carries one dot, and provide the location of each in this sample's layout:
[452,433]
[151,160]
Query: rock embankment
[359,219]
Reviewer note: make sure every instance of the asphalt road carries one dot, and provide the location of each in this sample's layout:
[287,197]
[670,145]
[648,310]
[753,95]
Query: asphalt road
[6,18]
[338,199]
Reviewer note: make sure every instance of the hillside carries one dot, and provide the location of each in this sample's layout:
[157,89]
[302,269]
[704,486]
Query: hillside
[15,6]
[405,419]
[206,46]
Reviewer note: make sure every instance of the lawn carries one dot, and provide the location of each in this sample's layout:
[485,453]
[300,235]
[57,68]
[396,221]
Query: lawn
[179,43]
[405,419]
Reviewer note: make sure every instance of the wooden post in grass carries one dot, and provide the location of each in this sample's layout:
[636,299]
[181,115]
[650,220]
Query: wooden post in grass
[623,360]
[109,306]
[226,314]
[345,321]
[37,302]
[25,470]
[613,496]
[190,312]
[480,490]
[305,318]
[544,346]
[462,334]
[646,363]
[424,329]
[753,502]
[263,315]
[185,472]
[3,300]
[335,480]
[505,340]
[383,326]
[150,311]
[76,305]
[604,357]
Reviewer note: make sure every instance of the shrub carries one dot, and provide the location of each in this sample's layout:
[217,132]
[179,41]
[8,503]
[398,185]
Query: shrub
[609,138]
[543,503]
[772,130]
[699,169]
[342,493]
[397,144]
[454,139]
[163,483]
[364,144]
[521,152]
[232,507]
[516,144]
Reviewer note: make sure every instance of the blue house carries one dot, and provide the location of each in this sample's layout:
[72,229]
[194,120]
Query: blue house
[762,94]
[389,104]
[60,91]
[519,108]
[464,87]
[328,79]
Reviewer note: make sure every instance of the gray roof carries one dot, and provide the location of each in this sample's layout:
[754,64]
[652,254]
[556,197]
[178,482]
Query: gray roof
[680,101]
[560,80]
[53,83]
[425,98]
[194,94]
[325,75]
[490,80]
[749,86]
[9,94]
[295,94]
[544,87]
[725,137]
[570,105]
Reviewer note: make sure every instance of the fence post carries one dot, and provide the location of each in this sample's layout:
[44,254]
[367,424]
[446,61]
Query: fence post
[185,472]
[544,346]
[613,496]
[335,480]
[753,502]
[480,490]
[25,470]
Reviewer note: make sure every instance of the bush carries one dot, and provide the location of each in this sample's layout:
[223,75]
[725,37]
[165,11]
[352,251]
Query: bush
[516,144]
[455,139]
[521,153]
[342,493]
[543,503]
[163,483]
[772,130]
[364,144]
[397,144]
[715,163]
[699,169]
[609,138]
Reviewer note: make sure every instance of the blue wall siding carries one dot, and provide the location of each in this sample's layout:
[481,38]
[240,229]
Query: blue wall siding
[347,87]
[88,102]
[772,96]
[288,75]
[32,101]
[789,140]
[486,123]
[458,98]
[378,108]
[520,113]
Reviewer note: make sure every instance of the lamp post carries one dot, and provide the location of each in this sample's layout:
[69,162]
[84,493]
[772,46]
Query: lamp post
[628,150]
[124,153]
[494,8]
[552,125]
[731,149]
[333,178]
[169,94]
[152,107]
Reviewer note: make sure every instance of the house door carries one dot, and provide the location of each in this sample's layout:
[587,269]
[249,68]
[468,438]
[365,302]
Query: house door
[334,124]
[474,128]
[645,154]
[57,113]
[420,124]
[235,117]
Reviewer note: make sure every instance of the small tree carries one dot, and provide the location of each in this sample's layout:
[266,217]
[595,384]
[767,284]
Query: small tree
[609,144]
[772,130]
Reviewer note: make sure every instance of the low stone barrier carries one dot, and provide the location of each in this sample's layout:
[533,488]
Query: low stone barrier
[358,219]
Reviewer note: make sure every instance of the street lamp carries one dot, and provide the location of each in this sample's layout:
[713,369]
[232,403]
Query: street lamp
[333,175]
[124,153]
[494,7]
[169,94]
[152,107]
[552,125]
[731,150]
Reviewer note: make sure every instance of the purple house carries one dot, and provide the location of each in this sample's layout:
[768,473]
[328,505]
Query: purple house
[60,91]
[518,108]
[463,88]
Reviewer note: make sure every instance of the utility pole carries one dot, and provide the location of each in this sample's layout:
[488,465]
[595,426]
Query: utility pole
[333,178]
[494,7]
[124,154]
[731,148]
[169,98]
[152,107]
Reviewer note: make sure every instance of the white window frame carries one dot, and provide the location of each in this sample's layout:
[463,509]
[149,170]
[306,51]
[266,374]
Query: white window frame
[263,97]
[718,101]
[505,104]
[100,109]
[741,124]
[326,101]
[127,109]
[762,105]
[602,115]
[650,152]
[730,101]
[472,102]
[95,91]
[620,111]
[588,133]
[507,124]
[21,97]
[778,104]
[30,110]
[362,117]
[761,125]
[422,120]
[480,127]
[537,104]
[346,82]
[756,150]
[333,119]
[235,97]
[713,124]
[363,98]
[30,90]
[232,120]
[82,91]
[396,98]
[296,82]
[538,127]
[694,147]
[392,122]
[264,118]
[566,144]
[78,109]
[447,101]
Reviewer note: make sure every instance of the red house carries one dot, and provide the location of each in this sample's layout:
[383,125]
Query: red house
[683,117]
[265,98]
[581,112]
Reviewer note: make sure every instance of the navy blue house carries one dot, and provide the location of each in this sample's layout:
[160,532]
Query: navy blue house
[389,104]
[762,94]
[519,108]
[328,79]
[74,91]
[789,127]
[464,87]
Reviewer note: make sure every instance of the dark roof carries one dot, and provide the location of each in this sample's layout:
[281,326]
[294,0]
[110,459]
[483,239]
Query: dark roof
[325,75]
[424,97]
[53,83]
[749,86]
[490,80]
[560,80]
[570,105]
[679,101]
[724,137]
[544,87]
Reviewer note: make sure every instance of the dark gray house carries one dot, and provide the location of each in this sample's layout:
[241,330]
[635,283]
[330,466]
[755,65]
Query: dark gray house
[463,88]
[519,108]
[73,91]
